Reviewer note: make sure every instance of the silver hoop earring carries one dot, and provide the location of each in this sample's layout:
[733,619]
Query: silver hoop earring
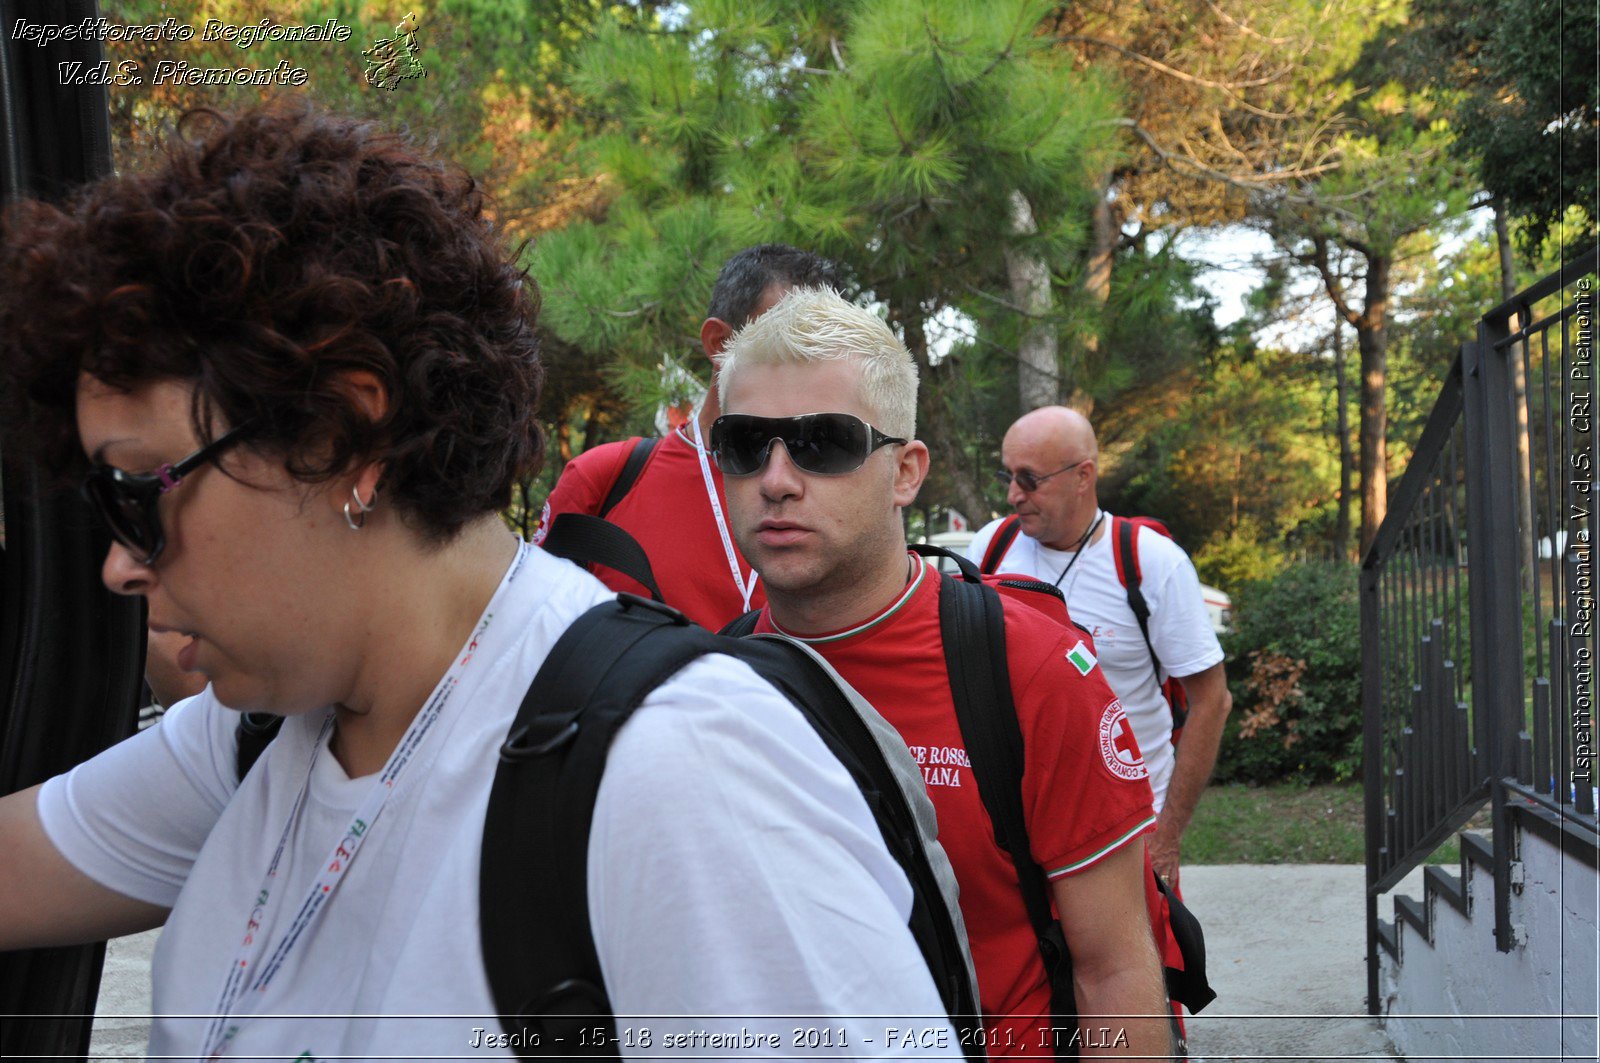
[358,519]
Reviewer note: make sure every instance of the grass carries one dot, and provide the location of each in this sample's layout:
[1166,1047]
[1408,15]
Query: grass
[1285,824]
[1289,824]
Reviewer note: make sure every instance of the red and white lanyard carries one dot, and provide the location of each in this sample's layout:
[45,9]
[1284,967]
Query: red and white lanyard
[245,972]
[746,587]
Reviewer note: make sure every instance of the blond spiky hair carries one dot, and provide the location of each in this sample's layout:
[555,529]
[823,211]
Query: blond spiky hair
[817,325]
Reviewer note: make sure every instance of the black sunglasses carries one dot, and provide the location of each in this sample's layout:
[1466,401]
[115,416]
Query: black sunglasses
[126,501]
[824,444]
[1027,480]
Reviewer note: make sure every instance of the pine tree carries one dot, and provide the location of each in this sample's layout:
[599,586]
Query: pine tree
[897,137]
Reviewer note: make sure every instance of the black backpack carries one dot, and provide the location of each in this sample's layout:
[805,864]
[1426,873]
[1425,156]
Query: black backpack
[544,973]
[972,628]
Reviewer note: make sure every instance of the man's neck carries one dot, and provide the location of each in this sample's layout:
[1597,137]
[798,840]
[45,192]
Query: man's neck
[1076,541]
[710,410]
[818,611]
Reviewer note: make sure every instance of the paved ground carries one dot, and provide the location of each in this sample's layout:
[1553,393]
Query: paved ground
[120,1026]
[1286,952]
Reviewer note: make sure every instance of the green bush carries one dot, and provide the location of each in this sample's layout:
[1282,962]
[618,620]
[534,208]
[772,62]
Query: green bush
[1295,673]
[1238,557]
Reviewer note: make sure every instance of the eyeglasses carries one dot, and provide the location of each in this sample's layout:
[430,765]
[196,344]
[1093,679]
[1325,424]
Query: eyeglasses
[126,501]
[1027,480]
[823,444]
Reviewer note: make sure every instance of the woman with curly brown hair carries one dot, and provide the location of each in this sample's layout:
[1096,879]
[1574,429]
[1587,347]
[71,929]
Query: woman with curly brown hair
[302,372]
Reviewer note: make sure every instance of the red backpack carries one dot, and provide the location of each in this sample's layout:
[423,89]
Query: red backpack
[1125,542]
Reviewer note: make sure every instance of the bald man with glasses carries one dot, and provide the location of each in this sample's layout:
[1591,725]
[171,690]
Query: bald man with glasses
[1050,462]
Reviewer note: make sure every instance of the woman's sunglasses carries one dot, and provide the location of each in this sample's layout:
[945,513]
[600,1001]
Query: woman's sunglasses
[823,444]
[126,501]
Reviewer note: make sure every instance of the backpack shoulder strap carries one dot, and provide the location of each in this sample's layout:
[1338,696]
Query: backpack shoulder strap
[972,626]
[544,973]
[1004,536]
[1128,573]
[596,541]
[876,757]
[741,625]
[254,732]
[969,571]
[643,447]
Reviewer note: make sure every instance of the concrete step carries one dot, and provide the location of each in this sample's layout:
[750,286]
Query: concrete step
[1425,886]
[1447,886]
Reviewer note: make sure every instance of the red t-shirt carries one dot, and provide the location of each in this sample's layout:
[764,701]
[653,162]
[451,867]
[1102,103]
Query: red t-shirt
[669,512]
[1084,787]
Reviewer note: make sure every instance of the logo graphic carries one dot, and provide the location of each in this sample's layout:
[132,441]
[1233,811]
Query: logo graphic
[541,529]
[1118,748]
[1081,658]
[394,59]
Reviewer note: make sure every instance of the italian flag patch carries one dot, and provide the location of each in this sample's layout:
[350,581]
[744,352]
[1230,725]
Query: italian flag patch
[1081,658]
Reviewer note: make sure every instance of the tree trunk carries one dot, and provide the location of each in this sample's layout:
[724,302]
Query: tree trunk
[1238,481]
[591,427]
[951,466]
[1341,389]
[1038,364]
[1372,336]
[563,434]
[1519,390]
[1096,283]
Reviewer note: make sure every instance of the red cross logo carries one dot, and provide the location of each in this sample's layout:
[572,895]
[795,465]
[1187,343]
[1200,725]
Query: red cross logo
[1123,742]
[1118,747]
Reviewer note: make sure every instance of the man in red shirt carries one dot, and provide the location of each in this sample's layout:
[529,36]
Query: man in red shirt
[676,509]
[819,402]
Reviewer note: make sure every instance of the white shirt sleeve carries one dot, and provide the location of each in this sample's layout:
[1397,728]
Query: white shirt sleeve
[134,817]
[1180,629]
[738,881]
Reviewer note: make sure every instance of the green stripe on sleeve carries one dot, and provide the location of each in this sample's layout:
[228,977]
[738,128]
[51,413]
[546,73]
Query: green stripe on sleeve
[1102,852]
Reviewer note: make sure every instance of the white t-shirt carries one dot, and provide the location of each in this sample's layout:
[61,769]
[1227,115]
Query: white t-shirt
[734,869]
[1180,630]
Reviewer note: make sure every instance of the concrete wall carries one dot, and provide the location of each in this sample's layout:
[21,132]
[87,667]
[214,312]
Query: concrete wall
[1461,999]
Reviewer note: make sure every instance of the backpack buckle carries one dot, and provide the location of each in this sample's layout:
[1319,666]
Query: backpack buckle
[635,601]
[259,723]
[574,1013]
[538,738]
[584,991]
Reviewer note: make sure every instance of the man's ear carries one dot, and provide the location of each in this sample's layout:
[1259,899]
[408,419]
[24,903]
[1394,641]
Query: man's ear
[714,333]
[1088,476]
[911,468]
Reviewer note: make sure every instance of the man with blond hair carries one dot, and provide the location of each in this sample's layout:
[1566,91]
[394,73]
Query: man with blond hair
[816,445]
[671,501]
[1051,462]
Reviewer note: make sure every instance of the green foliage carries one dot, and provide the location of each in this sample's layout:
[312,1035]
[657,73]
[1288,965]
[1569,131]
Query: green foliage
[1238,556]
[1308,727]
[1521,76]
[1158,321]
[639,144]
[1237,458]
[890,136]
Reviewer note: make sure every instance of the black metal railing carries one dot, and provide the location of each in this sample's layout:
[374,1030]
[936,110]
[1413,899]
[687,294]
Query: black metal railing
[1478,598]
